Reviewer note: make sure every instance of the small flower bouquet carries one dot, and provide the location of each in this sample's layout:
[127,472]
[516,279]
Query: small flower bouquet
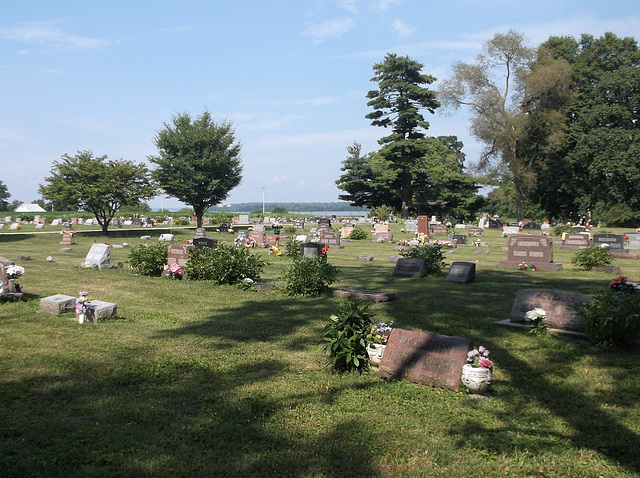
[380,332]
[14,271]
[84,308]
[173,271]
[275,250]
[479,358]
[536,317]
[622,284]
[523,266]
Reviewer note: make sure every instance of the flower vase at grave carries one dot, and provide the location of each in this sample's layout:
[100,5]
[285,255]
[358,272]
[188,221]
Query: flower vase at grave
[12,285]
[477,379]
[81,318]
[375,351]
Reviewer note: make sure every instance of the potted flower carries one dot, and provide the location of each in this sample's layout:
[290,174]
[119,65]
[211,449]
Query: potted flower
[84,308]
[173,271]
[13,272]
[536,318]
[379,338]
[477,374]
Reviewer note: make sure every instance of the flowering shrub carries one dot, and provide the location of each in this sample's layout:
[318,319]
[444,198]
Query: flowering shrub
[612,318]
[479,358]
[148,259]
[224,265]
[432,255]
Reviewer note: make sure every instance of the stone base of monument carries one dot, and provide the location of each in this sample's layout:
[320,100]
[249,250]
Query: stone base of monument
[365,258]
[57,304]
[551,330]
[103,310]
[368,295]
[10,296]
[542,266]
[612,269]
[624,255]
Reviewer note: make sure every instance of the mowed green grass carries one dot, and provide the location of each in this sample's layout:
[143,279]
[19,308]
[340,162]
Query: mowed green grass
[195,379]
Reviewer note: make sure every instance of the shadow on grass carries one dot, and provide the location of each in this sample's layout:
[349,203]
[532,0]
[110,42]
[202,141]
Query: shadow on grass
[171,416]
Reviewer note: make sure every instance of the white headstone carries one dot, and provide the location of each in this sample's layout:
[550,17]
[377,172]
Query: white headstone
[56,222]
[99,254]
[166,237]
[301,238]
[89,222]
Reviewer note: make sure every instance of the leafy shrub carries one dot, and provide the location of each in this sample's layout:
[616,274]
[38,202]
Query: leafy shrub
[309,276]
[289,230]
[612,318]
[148,259]
[347,334]
[432,255]
[559,230]
[358,234]
[592,256]
[293,247]
[182,222]
[224,265]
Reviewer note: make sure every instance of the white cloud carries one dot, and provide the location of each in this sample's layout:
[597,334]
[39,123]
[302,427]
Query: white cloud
[45,33]
[349,5]
[402,29]
[329,29]
[279,179]
[383,5]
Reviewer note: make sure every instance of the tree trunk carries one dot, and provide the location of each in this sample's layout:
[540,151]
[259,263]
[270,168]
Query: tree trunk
[405,195]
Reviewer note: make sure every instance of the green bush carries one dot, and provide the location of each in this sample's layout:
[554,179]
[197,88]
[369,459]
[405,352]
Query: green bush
[182,222]
[559,230]
[148,259]
[347,334]
[309,276]
[592,256]
[224,265]
[612,318]
[288,230]
[358,234]
[293,247]
[432,255]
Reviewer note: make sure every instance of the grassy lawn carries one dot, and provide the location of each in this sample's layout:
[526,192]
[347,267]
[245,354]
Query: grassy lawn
[195,379]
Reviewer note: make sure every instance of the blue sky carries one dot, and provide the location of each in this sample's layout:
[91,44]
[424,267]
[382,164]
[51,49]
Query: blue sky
[290,75]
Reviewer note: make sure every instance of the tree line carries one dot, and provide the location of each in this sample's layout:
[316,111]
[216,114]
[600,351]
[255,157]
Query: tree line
[559,124]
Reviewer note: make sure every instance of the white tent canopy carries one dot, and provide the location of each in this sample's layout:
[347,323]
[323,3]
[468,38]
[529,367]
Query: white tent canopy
[29,208]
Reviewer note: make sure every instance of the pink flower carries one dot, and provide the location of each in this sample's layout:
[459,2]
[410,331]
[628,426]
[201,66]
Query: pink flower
[485,363]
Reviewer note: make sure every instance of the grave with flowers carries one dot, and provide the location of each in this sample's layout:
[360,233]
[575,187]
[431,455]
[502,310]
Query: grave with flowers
[536,251]
[10,290]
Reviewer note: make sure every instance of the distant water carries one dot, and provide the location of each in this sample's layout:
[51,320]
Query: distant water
[333,213]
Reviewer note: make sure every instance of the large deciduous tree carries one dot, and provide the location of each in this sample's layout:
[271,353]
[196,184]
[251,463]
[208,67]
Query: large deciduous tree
[397,103]
[199,161]
[491,88]
[4,197]
[97,185]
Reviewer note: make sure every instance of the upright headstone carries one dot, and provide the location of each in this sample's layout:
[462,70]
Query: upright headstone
[298,224]
[330,238]
[615,242]
[89,222]
[67,238]
[425,358]
[438,229]
[459,238]
[166,237]
[200,232]
[411,225]
[406,267]
[578,229]
[575,241]
[117,223]
[557,304]
[205,242]
[495,224]
[423,225]
[136,221]
[311,249]
[258,237]
[532,250]
[634,241]
[508,230]
[383,236]
[464,272]
[475,231]
[243,234]
[346,231]
[99,255]
[243,219]
[530,226]
[178,254]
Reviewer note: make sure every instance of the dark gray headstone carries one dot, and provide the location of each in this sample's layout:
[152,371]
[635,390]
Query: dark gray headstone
[200,232]
[464,272]
[615,242]
[530,226]
[311,249]
[410,268]
[136,221]
[205,242]
[578,229]
[459,238]
[425,358]
[495,224]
